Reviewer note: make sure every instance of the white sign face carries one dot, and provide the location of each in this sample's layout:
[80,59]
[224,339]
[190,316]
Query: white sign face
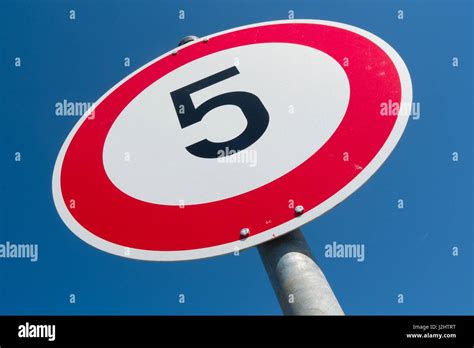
[305,115]
[210,149]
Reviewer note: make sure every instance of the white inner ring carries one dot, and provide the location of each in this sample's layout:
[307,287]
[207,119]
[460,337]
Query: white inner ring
[305,91]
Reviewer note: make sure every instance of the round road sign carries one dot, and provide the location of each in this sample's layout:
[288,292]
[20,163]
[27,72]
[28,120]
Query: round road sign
[232,140]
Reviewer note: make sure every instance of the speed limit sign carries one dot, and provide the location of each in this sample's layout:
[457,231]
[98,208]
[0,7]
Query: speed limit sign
[231,140]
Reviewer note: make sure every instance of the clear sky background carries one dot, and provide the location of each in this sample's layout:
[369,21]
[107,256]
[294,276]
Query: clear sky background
[408,251]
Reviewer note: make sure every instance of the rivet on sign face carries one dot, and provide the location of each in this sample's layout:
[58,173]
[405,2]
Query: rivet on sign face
[244,232]
[299,209]
[206,40]
[174,52]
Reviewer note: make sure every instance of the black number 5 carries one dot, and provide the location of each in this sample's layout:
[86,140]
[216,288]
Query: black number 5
[250,104]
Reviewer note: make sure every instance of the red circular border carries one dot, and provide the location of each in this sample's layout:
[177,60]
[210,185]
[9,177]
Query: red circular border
[110,214]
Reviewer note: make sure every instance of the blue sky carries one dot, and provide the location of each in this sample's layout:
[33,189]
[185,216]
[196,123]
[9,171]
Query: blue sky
[408,251]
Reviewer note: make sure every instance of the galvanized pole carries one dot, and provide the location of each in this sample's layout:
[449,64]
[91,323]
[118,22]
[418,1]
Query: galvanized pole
[298,282]
[300,285]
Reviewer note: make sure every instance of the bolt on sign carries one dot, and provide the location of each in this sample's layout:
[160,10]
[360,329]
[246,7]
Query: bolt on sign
[231,140]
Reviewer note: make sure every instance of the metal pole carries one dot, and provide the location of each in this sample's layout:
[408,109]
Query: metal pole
[298,282]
